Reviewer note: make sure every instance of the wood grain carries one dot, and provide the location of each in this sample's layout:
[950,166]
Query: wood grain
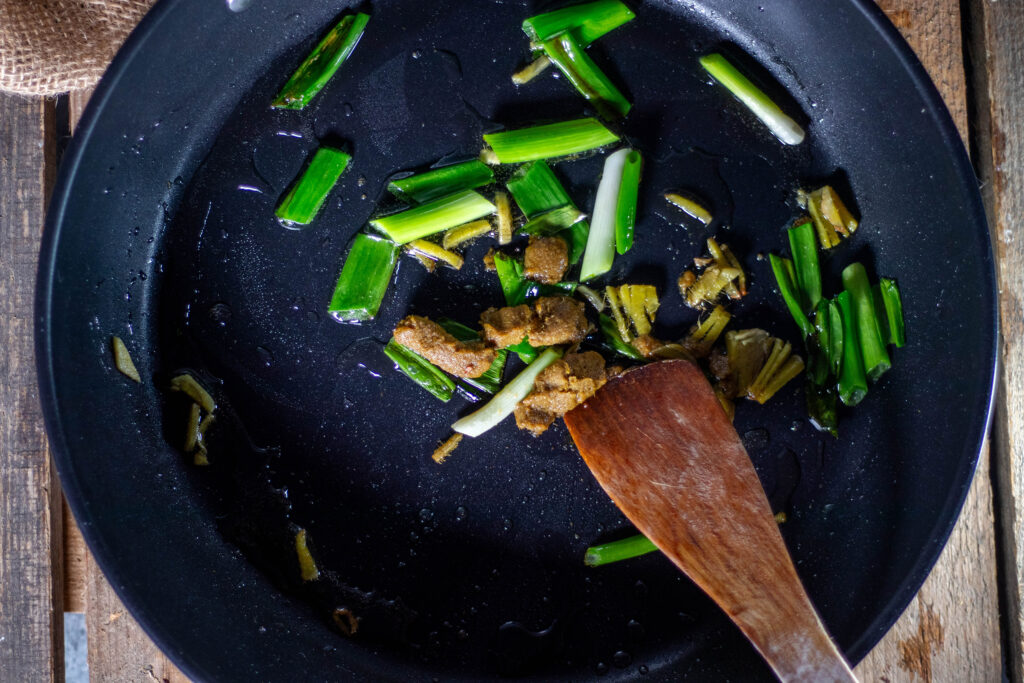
[31,611]
[950,632]
[119,650]
[997,52]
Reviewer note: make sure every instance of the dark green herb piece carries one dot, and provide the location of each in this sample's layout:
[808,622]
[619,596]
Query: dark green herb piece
[614,341]
[804,245]
[835,336]
[853,383]
[420,370]
[869,336]
[625,210]
[536,191]
[589,21]
[320,65]
[308,194]
[438,182]
[822,407]
[554,221]
[572,60]
[893,311]
[625,549]
[364,279]
[785,278]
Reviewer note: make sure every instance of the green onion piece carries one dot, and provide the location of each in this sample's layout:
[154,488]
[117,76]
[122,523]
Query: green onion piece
[364,279]
[782,126]
[536,189]
[438,182]
[869,336]
[490,381]
[823,330]
[322,62]
[505,401]
[308,193]
[420,370]
[626,549]
[600,252]
[510,275]
[785,277]
[804,244]
[525,351]
[893,311]
[835,337]
[586,76]
[822,407]
[613,338]
[880,315]
[588,21]
[625,211]
[549,140]
[554,221]
[432,217]
[531,70]
[853,383]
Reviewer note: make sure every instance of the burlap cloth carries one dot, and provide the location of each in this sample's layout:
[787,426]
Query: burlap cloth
[52,46]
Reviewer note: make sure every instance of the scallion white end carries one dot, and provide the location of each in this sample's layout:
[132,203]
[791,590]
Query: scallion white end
[505,401]
[600,252]
[782,126]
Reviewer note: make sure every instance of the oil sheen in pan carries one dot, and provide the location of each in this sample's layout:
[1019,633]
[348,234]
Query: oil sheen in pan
[475,566]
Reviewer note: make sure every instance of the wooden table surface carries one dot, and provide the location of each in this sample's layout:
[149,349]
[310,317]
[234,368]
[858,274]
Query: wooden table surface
[964,624]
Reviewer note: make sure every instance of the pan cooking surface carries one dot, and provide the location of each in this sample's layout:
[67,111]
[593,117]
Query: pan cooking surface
[474,569]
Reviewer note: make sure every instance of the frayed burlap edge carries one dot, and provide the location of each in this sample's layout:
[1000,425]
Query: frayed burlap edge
[52,46]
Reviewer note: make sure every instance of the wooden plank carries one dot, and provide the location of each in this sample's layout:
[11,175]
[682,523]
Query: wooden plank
[31,612]
[74,564]
[950,632]
[119,650]
[997,57]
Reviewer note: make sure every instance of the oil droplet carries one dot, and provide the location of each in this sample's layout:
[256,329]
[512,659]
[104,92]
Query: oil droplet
[640,589]
[635,629]
[506,525]
[643,670]
[622,659]
[416,54]
[460,513]
[426,515]
[266,358]
[220,313]
[601,668]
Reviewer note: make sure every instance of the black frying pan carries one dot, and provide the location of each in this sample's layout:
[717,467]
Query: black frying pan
[161,231]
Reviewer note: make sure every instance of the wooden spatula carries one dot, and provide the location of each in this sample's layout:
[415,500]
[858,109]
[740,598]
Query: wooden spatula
[660,444]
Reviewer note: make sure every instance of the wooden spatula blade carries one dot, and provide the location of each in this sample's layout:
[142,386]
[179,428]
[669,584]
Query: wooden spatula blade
[662,447]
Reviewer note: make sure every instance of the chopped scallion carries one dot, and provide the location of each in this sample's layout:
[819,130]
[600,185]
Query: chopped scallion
[505,401]
[549,140]
[804,245]
[600,251]
[782,126]
[785,278]
[613,339]
[589,21]
[510,276]
[625,211]
[307,195]
[321,64]
[580,70]
[853,383]
[504,211]
[490,381]
[869,335]
[435,216]
[616,551]
[893,311]
[364,279]
[421,371]
[531,70]
[438,182]
[554,221]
